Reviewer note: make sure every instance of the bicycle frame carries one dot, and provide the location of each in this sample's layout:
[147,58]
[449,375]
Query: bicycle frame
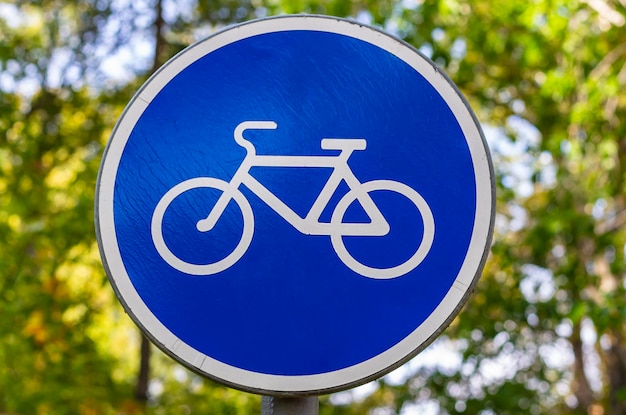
[310,224]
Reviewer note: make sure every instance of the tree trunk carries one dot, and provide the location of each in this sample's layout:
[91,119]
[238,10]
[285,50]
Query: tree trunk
[159,39]
[580,386]
[143,378]
[615,358]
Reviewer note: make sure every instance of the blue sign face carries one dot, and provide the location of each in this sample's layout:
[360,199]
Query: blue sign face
[295,205]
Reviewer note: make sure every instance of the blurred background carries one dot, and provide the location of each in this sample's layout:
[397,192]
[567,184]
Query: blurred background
[543,333]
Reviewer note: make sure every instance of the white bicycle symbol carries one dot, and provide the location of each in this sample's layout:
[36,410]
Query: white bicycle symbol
[308,225]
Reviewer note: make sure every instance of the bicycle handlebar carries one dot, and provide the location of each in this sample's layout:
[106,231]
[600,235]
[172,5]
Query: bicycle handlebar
[251,125]
[326,144]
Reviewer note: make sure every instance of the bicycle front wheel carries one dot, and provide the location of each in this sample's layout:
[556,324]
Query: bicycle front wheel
[197,190]
[414,258]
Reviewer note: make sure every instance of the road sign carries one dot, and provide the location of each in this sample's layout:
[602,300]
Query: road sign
[295,205]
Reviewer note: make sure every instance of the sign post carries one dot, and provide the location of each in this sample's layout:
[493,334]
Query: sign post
[289,406]
[295,206]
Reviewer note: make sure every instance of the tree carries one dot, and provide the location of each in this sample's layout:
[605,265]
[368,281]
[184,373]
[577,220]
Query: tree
[54,300]
[544,331]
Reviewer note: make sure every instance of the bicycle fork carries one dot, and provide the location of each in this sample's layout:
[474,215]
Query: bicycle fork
[206,224]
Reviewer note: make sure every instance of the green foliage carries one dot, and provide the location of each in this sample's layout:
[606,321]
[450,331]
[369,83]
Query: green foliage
[545,78]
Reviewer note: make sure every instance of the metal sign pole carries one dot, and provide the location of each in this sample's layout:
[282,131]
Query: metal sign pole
[289,406]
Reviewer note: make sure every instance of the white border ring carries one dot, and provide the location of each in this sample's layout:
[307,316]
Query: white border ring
[337,380]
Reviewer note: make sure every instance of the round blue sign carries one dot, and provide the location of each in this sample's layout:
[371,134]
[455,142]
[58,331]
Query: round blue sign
[295,205]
